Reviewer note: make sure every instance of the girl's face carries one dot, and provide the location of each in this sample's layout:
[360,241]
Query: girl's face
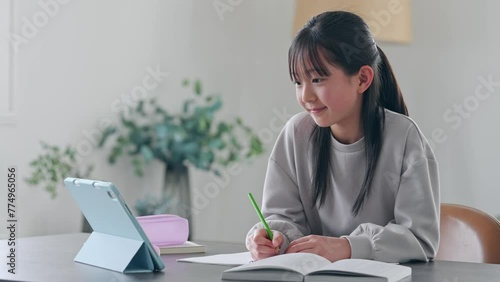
[330,100]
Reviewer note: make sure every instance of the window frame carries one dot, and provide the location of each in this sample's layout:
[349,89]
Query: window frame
[7,109]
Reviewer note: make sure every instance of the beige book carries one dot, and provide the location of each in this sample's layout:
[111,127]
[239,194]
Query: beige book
[187,247]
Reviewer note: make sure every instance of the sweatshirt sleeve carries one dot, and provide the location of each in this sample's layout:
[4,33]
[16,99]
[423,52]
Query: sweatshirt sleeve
[413,234]
[281,205]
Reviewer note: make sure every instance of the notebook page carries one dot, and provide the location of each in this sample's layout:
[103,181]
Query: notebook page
[302,263]
[392,272]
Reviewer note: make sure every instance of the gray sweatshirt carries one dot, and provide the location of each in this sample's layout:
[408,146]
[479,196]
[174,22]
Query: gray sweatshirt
[398,222]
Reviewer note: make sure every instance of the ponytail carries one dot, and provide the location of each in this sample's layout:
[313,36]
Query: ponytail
[391,97]
[383,93]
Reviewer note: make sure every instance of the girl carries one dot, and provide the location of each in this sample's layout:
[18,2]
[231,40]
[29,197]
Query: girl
[353,176]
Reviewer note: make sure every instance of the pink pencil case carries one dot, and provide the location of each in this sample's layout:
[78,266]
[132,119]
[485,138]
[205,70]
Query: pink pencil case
[165,229]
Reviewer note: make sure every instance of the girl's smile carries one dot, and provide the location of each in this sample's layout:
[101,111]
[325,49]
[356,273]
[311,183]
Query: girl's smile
[317,110]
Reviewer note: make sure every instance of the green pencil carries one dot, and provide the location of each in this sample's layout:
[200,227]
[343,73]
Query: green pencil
[269,233]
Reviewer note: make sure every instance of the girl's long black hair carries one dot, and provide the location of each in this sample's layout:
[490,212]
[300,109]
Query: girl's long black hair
[345,40]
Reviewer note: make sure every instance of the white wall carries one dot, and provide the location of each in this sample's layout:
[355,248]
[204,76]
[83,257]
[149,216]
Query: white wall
[455,43]
[91,52]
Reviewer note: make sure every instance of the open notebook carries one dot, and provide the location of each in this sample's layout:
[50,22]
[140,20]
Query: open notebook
[311,267]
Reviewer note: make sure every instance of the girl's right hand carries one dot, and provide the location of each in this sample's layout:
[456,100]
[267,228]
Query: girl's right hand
[261,247]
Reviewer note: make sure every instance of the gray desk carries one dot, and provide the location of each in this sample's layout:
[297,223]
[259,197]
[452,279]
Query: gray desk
[50,258]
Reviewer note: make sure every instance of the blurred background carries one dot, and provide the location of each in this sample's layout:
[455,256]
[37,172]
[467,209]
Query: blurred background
[67,66]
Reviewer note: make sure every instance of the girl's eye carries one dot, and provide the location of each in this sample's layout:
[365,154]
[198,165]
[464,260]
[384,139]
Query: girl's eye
[317,80]
[296,83]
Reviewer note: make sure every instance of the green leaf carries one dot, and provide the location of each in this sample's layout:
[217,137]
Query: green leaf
[235,142]
[222,128]
[140,108]
[159,110]
[179,136]
[188,102]
[185,82]
[121,140]
[70,153]
[216,105]
[147,153]
[162,131]
[128,124]
[202,125]
[216,144]
[115,152]
[233,156]
[188,148]
[197,87]
[107,133]
[137,164]
[256,147]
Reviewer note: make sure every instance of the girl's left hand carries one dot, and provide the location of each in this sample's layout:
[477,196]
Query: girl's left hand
[331,248]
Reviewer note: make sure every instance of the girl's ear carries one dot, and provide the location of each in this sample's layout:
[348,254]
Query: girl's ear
[365,78]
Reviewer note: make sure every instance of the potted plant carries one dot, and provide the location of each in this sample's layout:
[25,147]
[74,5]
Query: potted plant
[192,137]
[53,165]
